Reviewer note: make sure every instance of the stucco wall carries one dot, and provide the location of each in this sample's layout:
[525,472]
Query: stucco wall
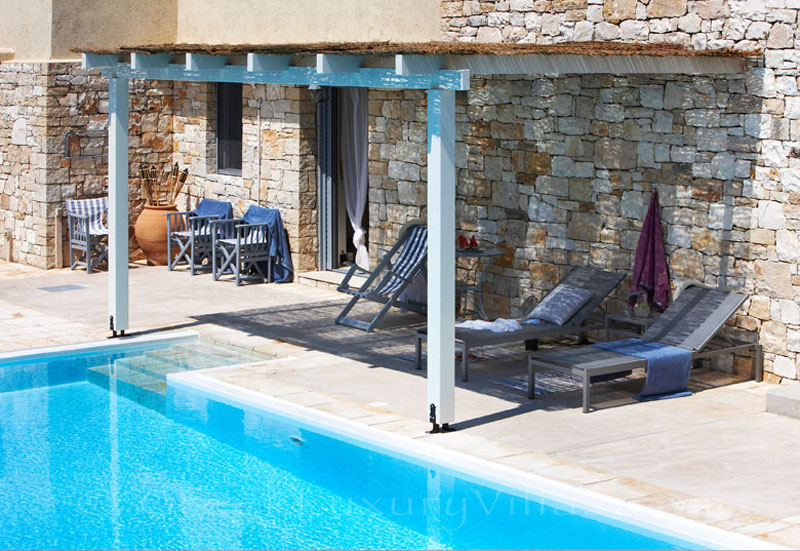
[278,21]
[42,30]
[25,28]
[87,23]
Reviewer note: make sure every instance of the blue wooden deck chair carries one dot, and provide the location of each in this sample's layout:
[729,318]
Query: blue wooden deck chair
[88,234]
[243,246]
[389,279]
[190,233]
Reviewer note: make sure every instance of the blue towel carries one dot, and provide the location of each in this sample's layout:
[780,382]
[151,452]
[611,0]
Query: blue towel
[668,367]
[279,244]
[212,207]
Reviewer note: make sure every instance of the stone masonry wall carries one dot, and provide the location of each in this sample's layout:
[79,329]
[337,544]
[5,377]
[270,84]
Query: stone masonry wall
[562,169]
[701,24]
[39,105]
[753,125]
[23,128]
[288,169]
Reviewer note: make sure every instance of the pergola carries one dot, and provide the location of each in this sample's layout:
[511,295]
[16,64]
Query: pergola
[441,69]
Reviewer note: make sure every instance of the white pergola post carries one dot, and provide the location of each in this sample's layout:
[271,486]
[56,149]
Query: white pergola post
[118,204]
[441,256]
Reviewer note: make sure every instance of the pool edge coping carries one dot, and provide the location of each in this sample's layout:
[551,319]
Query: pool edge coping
[182,335]
[668,524]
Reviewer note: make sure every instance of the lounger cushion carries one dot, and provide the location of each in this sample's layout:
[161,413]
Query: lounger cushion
[561,303]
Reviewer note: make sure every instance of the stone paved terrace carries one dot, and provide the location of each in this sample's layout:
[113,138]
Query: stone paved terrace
[716,456]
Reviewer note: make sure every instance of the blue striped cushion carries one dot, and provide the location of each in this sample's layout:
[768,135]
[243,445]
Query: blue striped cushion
[94,209]
[414,252]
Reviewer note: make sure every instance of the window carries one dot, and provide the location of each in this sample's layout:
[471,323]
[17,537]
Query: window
[229,128]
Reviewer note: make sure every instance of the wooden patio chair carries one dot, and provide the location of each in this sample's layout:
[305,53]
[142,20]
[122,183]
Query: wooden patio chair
[243,246]
[389,279]
[190,232]
[88,234]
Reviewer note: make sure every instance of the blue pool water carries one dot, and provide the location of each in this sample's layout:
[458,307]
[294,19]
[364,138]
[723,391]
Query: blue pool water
[85,468]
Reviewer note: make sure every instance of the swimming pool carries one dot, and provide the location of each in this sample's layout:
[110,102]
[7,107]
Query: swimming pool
[85,468]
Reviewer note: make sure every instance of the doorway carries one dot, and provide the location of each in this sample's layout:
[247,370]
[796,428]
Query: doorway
[342,176]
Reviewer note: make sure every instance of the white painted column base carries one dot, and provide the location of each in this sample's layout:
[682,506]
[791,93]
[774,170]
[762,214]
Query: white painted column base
[118,93]
[441,257]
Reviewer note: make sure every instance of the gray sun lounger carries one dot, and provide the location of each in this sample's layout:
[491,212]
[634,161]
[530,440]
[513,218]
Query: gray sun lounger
[599,281]
[691,322]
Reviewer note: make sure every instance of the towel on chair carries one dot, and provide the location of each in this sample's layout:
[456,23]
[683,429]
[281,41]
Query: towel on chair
[500,325]
[279,244]
[668,367]
[212,207]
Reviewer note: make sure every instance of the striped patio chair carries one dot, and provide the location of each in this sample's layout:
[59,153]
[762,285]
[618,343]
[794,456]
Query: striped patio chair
[389,279]
[88,234]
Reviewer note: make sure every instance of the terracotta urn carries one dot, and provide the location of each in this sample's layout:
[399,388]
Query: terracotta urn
[151,233]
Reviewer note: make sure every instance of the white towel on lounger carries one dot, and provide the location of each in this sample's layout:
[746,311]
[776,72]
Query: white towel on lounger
[500,325]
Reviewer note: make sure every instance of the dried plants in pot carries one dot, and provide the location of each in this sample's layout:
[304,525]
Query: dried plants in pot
[159,192]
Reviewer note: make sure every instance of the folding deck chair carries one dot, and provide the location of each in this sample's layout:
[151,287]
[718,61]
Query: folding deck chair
[88,235]
[389,279]
[243,246]
[190,232]
[691,322]
[600,282]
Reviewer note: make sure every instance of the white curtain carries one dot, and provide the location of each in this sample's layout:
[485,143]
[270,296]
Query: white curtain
[353,146]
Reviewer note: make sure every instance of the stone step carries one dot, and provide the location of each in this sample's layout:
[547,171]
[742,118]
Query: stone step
[784,400]
[328,280]
[144,389]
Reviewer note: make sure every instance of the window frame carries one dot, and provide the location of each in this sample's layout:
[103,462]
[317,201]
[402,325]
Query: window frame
[225,121]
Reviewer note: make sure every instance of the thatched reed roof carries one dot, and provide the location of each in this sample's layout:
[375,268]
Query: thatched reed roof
[428,48]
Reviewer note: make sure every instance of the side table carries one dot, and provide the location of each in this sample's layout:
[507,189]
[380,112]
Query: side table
[628,324]
[477,274]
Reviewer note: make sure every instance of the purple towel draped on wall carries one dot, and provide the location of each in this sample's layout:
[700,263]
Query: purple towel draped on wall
[650,273]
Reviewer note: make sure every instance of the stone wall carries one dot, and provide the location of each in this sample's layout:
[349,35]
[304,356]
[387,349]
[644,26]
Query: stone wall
[562,169]
[23,130]
[288,169]
[40,104]
[701,24]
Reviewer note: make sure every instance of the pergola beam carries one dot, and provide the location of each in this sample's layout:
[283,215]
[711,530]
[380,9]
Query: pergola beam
[334,63]
[417,64]
[301,76]
[265,63]
[99,61]
[205,62]
[577,64]
[147,61]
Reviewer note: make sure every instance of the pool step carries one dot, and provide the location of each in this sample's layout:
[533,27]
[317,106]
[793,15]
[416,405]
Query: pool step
[145,389]
[144,378]
[203,356]
[150,365]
